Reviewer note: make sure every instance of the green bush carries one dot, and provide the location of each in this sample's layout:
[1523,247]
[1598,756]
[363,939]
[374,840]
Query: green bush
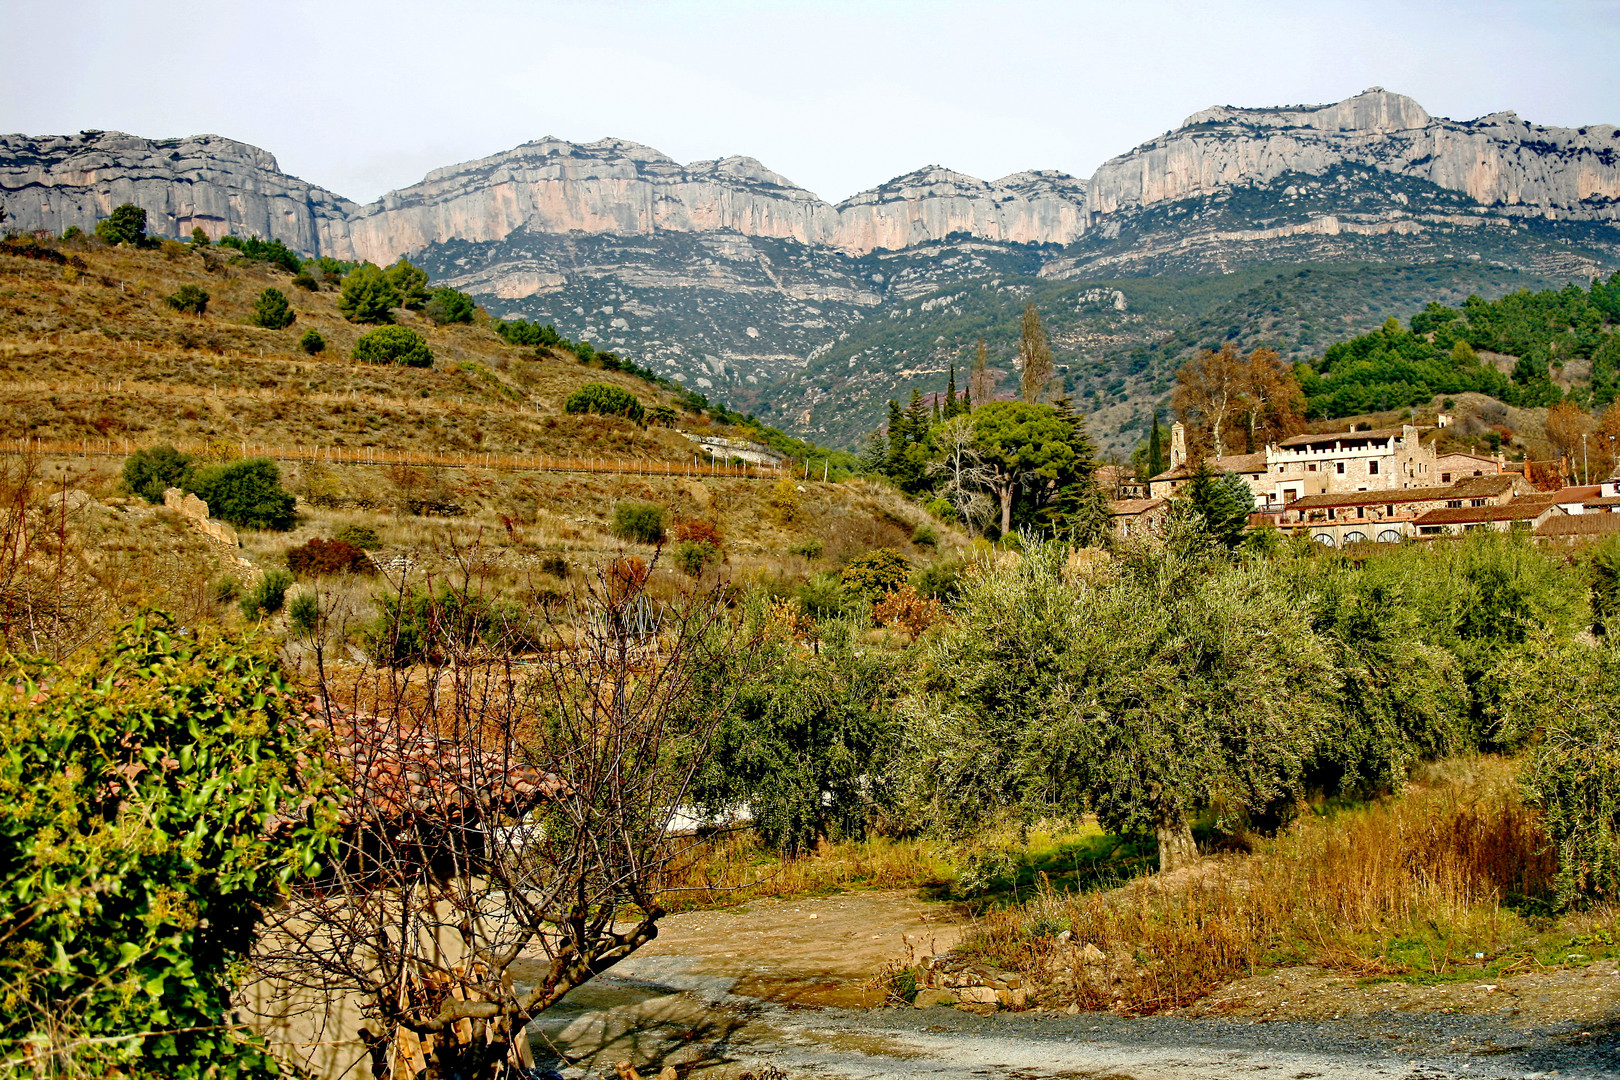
[925,535]
[246,493]
[125,225]
[943,510]
[148,471]
[304,613]
[876,573]
[368,296]
[140,793]
[642,522]
[823,597]
[306,281]
[423,627]
[312,342]
[810,548]
[273,252]
[691,556]
[554,563]
[393,345]
[272,311]
[447,306]
[188,299]
[198,237]
[363,537]
[72,232]
[940,581]
[267,596]
[606,400]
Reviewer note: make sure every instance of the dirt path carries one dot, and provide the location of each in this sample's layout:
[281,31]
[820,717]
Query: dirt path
[782,989]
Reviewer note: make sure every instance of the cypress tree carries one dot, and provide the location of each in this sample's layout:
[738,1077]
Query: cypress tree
[936,408]
[916,417]
[950,395]
[1155,454]
[897,429]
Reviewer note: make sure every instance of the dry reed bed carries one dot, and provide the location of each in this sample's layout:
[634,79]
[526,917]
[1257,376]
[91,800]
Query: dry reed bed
[1418,884]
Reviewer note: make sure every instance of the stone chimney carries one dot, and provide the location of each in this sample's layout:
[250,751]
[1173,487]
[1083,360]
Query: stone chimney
[1178,444]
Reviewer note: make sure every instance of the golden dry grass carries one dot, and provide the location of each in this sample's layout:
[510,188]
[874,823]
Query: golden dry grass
[734,869]
[1428,884]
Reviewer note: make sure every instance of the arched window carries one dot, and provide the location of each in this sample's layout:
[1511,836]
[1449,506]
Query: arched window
[1389,536]
[1325,539]
[1354,538]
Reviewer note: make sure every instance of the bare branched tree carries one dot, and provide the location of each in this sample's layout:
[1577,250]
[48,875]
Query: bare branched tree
[51,602]
[967,479]
[1034,357]
[509,818]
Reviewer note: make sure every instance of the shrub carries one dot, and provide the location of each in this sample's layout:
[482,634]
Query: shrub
[188,299]
[447,306]
[553,563]
[198,237]
[642,522]
[125,225]
[272,311]
[662,415]
[523,332]
[361,536]
[823,596]
[312,342]
[368,296]
[428,627]
[904,610]
[393,345]
[273,252]
[246,493]
[305,612]
[943,510]
[809,549]
[691,556]
[941,580]
[606,400]
[267,596]
[783,503]
[875,573]
[72,232]
[147,472]
[304,280]
[704,532]
[321,557]
[925,535]
[146,882]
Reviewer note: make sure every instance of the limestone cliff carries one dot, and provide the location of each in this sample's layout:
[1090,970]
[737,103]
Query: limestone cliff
[1498,160]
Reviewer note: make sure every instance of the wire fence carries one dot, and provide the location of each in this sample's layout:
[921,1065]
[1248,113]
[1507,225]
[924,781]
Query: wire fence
[376,455]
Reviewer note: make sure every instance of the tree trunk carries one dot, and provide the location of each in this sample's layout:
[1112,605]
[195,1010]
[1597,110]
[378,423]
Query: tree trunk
[1176,846]
[1006,493]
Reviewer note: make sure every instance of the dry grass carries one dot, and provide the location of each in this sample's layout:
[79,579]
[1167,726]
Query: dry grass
[1415,886]
[734,869]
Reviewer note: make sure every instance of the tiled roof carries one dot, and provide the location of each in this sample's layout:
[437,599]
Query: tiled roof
[1126,507]
[1335,436]
[1469,487]
[1602,504]
[1232,463]
[1573,494]
[1517,510]
[1580,525]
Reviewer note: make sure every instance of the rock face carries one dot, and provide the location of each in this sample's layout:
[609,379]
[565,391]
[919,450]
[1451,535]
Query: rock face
[1497,160]
[206,181]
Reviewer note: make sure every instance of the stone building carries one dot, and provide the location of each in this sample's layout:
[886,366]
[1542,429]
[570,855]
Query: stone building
[1354,517]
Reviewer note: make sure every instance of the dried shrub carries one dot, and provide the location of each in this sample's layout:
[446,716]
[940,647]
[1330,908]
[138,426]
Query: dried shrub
[319,558]
[701,532]
[904,610]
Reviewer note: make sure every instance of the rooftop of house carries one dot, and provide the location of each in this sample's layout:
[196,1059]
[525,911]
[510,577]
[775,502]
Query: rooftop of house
[1517,510]
[1467,454]
[1604,503]
[1572,494]
[1232,463]
[1322,438]
[1580,525]
[1129,507]
[1469,487]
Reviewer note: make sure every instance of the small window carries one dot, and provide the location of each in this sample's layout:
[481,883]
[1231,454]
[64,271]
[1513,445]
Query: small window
[1453,504]
[1445,478]
[1476,502]
[1338,467]
[1361,511]
[1330,513]
[1311,466]
[1431,530]
[1372,468]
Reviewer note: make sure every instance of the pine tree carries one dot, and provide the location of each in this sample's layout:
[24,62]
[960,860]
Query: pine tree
[951,407]
[1035,357]
[936,408]
[897,429]
[916,418]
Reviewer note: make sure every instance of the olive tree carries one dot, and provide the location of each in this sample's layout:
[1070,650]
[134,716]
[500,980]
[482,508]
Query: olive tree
[1166,683]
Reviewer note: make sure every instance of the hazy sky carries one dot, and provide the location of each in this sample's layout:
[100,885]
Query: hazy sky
[364,97]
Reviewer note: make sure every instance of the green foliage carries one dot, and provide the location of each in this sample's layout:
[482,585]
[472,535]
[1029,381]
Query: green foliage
[642,522]
[1392,367]
[312,342]
[876,573]
[808,548]
[138,794]
[605,399]
[267,595]
[148,471]
[1041,467]
[428,627]
[693,556]
[808,749]
[273,252]
[198,237]
[445,306]
[246,493]
[940,581]
[368,296]
[125,225]
[410,283]
[1603,564]
[523,332]
[1222,501]
[363,537]
[272,311]
[188,299]
[72,232]
[393,345]
[925,535]
[304,613]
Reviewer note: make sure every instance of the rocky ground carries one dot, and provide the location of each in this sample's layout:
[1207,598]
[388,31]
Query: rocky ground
[792,988]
